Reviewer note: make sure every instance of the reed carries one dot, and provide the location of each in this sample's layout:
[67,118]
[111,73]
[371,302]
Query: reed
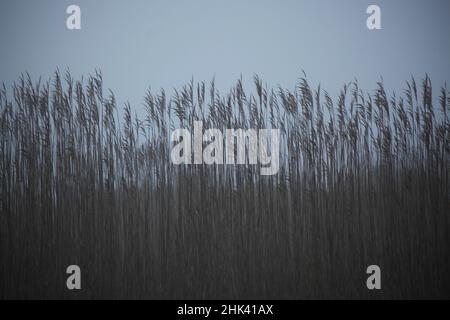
[363,179]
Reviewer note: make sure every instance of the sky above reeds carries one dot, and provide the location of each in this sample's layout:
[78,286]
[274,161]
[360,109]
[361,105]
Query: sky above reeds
[159,43]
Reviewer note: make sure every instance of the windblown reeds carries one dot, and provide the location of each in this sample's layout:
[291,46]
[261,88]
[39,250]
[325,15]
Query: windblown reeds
[364,179]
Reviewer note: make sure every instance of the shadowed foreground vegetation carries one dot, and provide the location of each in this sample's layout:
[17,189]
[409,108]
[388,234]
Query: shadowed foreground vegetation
[364,179]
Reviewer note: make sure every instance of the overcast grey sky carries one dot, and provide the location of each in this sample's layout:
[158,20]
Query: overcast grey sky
[161,43]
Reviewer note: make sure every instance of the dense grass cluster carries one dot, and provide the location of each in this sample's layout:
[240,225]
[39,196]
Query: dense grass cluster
[364,179]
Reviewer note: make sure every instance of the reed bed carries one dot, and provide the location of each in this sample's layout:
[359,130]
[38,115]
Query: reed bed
[363,179]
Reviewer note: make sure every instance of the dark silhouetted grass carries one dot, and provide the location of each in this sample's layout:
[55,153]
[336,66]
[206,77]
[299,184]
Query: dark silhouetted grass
[364,179]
